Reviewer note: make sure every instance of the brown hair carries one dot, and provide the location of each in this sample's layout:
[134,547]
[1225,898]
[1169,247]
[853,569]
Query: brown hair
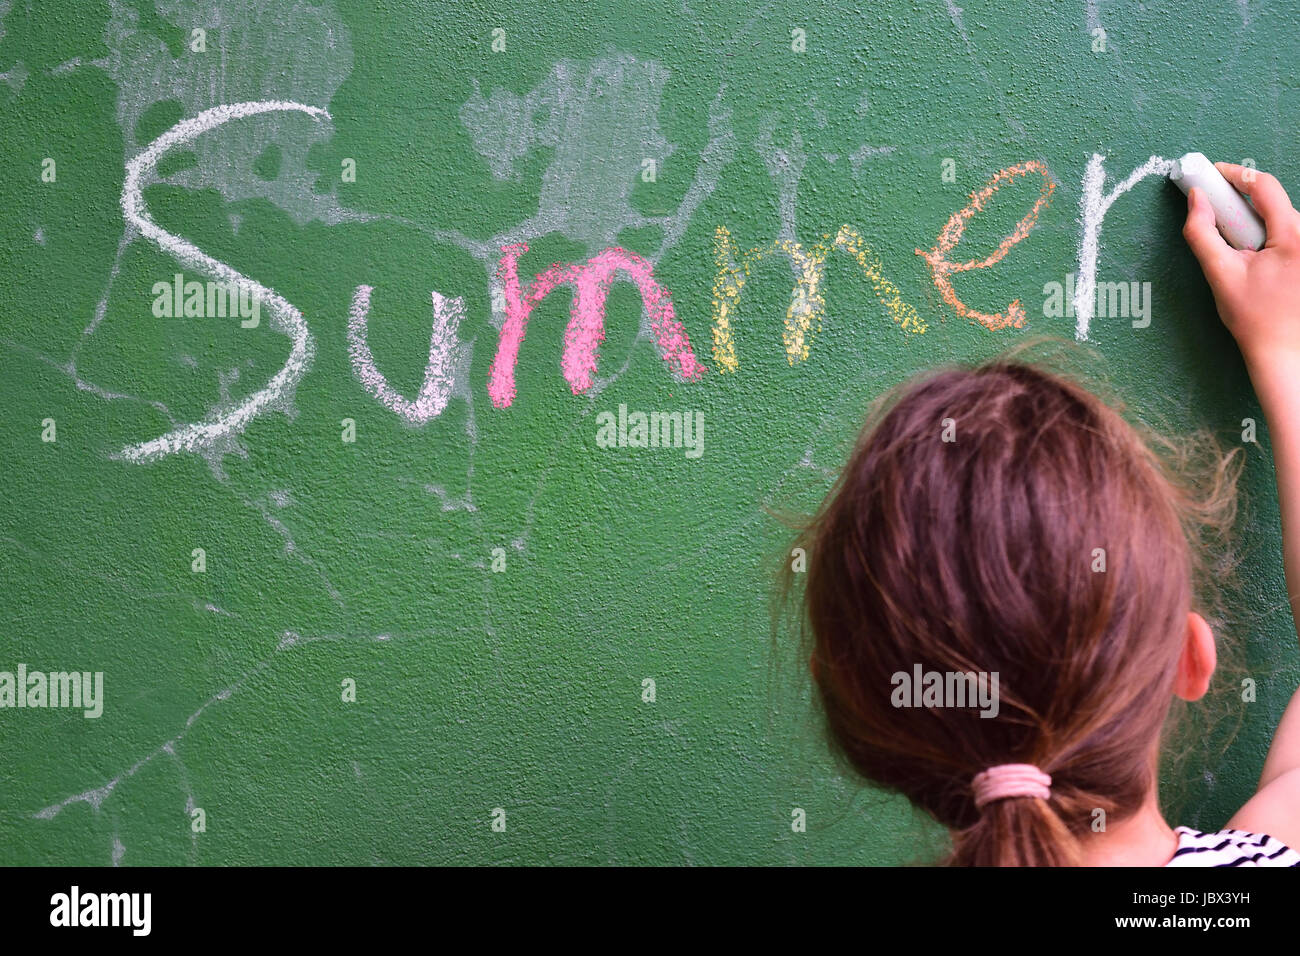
[965,535]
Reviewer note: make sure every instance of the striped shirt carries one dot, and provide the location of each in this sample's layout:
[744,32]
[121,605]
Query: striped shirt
[1231,848]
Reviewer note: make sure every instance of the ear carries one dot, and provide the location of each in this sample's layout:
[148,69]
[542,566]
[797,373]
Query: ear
[1197,660]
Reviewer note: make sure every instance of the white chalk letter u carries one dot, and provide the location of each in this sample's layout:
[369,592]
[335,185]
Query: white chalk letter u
[439,378]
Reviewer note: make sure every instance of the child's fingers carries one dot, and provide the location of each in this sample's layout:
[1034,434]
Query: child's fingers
[1270,199]
[1211,251]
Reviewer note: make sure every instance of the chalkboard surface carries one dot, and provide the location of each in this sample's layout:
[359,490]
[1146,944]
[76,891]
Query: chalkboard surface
[370,576]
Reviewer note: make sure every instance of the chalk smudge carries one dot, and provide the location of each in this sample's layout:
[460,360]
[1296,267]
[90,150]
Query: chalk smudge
[586,328]
[941,268]
[284,317]
[599,121]
[1093,206]
[1093,15]
[298,50]
[439,376]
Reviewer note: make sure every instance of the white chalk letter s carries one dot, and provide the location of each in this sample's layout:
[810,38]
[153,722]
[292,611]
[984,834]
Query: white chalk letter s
[284,317]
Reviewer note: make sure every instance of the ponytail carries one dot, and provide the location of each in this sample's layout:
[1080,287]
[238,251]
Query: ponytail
[1021,831]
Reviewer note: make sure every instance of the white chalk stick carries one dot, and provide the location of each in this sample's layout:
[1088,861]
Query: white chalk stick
[1236,219]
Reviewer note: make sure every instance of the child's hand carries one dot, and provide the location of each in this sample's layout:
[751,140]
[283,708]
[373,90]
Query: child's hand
[1258,295]
[1257,292]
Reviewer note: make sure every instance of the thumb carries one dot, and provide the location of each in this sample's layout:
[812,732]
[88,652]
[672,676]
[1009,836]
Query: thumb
[1211,251]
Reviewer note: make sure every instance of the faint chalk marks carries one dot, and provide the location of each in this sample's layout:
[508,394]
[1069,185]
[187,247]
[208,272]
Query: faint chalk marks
[955,13]
[136,594]
[69,369]
[96,796]
[866,152]
[291,548]
[719,151]
[446,500]
[785,167]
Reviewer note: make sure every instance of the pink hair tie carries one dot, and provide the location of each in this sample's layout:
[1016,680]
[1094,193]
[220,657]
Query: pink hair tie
[1010,780]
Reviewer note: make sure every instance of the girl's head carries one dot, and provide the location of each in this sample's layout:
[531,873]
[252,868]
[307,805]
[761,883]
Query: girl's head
[1002,524]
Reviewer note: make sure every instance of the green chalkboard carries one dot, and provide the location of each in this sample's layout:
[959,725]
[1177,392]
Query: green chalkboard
[369,577]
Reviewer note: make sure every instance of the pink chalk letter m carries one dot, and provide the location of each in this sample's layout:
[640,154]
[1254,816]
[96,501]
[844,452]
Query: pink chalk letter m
[586,328]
